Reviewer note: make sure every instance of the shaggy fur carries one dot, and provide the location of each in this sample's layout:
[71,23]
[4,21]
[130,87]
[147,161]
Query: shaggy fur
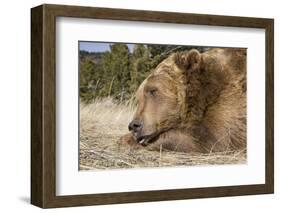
[193,102]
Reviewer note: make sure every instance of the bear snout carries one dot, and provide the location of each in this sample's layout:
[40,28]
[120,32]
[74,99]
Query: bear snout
[135,126]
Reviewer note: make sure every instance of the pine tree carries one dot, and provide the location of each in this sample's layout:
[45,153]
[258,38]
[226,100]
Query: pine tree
[116,65]
[140,66]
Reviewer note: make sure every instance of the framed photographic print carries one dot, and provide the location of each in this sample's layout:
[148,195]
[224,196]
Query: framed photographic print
[136,106]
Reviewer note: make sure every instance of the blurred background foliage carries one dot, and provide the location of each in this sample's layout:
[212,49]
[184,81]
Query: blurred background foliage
[119,71]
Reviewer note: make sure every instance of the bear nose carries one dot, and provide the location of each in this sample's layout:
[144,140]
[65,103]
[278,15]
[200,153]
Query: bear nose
[135,125]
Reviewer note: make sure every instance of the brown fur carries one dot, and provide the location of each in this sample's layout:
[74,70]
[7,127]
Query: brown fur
[194,102]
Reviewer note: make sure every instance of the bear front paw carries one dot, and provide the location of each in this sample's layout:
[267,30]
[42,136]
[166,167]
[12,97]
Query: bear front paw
[128,139]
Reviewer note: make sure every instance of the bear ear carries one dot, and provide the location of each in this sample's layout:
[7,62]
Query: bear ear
[190,60]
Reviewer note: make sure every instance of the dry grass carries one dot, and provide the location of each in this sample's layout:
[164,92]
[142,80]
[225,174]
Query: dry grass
[103,122]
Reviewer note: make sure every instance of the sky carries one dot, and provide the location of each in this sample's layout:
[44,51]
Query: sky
[98,46]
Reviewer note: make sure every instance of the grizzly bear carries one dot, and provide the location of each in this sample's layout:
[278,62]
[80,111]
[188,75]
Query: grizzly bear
[193,102]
